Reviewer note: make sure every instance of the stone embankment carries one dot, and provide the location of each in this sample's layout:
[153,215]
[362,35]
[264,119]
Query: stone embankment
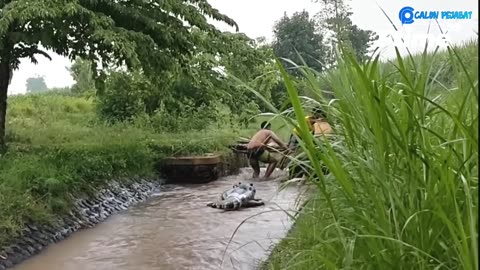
[85,214]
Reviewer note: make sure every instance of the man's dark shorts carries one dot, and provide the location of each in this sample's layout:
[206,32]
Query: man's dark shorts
[259,154]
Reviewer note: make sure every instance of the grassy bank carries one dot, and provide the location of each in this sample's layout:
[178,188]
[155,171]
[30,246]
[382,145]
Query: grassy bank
[58,147]
[402,192]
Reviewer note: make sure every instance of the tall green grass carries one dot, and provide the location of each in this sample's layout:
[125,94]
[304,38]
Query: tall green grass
[402,192]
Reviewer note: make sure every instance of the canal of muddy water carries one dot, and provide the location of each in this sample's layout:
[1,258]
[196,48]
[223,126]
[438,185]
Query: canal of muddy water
[175,230]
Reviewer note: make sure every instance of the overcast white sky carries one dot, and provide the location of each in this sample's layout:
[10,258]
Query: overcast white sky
[257,17]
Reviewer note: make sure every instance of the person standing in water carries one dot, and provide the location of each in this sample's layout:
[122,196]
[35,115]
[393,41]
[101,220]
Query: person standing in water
[257,150]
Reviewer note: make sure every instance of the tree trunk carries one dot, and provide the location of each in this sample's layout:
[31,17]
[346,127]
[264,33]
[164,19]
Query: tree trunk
[5,77]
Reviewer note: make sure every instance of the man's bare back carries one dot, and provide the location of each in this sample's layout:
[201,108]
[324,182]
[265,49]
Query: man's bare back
[262,138]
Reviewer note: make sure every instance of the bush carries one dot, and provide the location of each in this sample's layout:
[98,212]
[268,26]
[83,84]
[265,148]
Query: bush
[132,97]
[124,96]
[82,73]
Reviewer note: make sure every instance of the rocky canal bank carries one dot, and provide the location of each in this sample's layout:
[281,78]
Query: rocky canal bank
[87,212]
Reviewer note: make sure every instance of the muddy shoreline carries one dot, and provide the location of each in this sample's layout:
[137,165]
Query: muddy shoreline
[88,212]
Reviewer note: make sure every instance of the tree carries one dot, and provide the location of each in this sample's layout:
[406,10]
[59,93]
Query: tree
[339,29]
[299,34]
[124,96]
[197,89]
[36,85]
[360,40]
[210,79]
[81,71]
[252,62]
[147,34]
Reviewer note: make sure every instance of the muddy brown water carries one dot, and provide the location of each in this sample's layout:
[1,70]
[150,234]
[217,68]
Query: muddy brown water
[175,230]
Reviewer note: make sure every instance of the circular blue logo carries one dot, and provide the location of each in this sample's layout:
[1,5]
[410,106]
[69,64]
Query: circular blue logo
[406,15]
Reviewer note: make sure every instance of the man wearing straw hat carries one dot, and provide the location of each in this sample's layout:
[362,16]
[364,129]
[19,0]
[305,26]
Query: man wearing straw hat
[318,126]
[293,142]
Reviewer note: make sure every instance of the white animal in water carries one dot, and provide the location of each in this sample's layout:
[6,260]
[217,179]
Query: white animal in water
[241,195]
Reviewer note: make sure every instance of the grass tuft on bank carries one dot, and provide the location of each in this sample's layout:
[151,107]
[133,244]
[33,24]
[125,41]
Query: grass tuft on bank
[402,192]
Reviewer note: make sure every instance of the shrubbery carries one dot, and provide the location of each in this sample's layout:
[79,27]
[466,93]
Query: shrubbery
[125,96]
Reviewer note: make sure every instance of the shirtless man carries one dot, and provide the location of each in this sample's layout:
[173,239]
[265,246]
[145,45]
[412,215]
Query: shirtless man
[257,150]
